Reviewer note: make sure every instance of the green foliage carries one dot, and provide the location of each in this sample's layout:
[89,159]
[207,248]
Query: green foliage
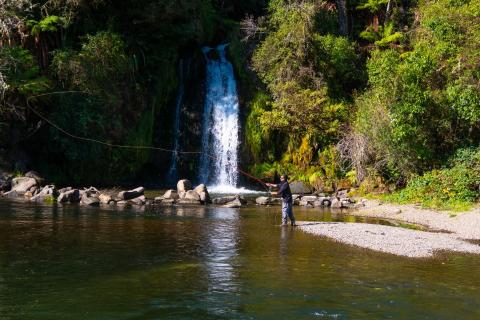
[373,5]
[384,36]
[455,187]
[302,102]
[47,24]
[256,137]
[339,64]
[21,72]
[104,76]
[421,105]
[101,66]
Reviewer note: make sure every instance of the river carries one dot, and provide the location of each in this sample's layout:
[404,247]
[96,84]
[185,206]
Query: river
[70,262]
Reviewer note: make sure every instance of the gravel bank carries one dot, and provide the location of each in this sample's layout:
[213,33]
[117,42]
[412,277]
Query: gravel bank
[398,241]
[464,225]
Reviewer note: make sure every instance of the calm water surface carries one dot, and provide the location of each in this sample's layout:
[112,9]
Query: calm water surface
[212,263]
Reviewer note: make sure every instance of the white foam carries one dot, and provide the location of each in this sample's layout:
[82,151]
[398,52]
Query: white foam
[220,137]
[228,189]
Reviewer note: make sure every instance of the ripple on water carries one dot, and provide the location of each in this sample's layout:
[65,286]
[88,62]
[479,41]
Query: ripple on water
[169,263]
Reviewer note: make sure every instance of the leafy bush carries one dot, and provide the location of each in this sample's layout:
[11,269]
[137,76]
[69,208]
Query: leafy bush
[455,187]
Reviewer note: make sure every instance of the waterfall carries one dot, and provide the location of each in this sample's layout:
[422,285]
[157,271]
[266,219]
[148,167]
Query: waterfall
[220,122]
[183,69]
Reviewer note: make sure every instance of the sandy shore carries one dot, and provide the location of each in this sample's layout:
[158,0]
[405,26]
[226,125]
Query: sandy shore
[400,241]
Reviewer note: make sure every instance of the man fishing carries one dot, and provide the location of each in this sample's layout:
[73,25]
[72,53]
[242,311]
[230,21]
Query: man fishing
[287,200]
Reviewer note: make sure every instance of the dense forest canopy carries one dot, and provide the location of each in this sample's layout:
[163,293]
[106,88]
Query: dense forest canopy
[372,93]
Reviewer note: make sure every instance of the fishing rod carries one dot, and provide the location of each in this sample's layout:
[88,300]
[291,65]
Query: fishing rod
[114,145]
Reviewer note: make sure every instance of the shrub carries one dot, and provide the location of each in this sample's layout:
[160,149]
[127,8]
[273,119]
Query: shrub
[455,187]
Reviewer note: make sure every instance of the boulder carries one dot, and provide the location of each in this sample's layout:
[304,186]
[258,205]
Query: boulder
[63,190]
[11,194]
[347,204]
[131,194]
[342,193]
[276,201]
[105,199]
[322,202]
[184,185]
[87,200]
[308,200]
[205,197]
[160,199]
[167,201]
[300,188]
[188,201]
[192,195]
[263,201]
[71,196]
[36,176]
[223,200]
[336,203]
[200,188]
[202,191]
[233,204]
[5,181]
[48,191]
[23,184]
[139,201]
[171,194]
[91,190]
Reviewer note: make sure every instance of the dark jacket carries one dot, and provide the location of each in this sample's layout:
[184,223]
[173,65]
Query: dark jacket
[285,192]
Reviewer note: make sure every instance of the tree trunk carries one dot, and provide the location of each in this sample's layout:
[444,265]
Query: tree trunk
[342,16]
[375,23]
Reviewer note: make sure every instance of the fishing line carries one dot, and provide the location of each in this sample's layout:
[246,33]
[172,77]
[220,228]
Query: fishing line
[114,145]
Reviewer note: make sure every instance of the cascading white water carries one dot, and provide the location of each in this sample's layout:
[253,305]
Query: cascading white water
[220,123]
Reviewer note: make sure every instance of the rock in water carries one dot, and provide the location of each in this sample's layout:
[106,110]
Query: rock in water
[71,196]
[188,201]
[47,191]
[263,201]
[11,194]
[184,185]
[202,191]
[60,191]
[233,204]
[89,200]
[36,176]
[105,199]
[171,194]
[308,200]
[322,202]
[205,197]
[131,194]
[336,203]
[200,188]
[139,201]
[237,202]
[300,188]
[5,181]
[223,200]
[192,195]
[23,184]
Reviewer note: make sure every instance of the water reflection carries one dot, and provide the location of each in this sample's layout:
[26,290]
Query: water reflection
[222,234]
[69,262]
